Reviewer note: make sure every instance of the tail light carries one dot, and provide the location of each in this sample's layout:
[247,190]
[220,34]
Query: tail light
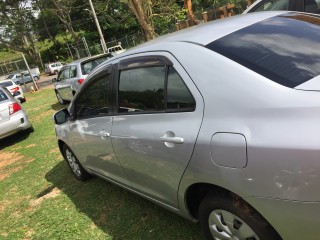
[14,107]
[15,89]
[80,81]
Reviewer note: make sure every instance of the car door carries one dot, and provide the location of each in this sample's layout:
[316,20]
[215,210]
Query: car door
[159,116]
[91,129]
[63,83]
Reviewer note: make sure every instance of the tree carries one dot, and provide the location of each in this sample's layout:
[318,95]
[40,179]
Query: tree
[17,19]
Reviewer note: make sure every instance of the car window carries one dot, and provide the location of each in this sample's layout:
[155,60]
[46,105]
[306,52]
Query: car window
[93,102]
[273,5]
[179,97]
[64,74]
[73,71]
[3,96]
[6,84]
[260,48]
[311,6]
[141,90]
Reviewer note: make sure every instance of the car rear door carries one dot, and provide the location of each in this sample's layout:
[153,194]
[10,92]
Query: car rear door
[4,108]
[159,116]
[63,83]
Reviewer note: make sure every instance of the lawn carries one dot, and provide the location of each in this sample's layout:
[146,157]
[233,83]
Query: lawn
[40,198]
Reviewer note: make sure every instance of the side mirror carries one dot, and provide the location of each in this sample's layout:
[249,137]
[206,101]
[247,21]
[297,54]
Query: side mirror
[54,80]
[61,117]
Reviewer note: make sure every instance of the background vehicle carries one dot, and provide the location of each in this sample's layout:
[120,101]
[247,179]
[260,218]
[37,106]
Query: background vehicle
[229,136]
[53,68]
[13,117]
[14,89]
[72,76]
[20,78]
[310,6]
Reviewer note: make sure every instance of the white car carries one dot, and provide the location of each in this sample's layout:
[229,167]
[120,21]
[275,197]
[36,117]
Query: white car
[13,118]
[14,89]
[53,68]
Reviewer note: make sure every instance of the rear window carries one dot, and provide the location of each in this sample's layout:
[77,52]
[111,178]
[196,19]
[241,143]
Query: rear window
[3,96]
[285,49]
[6,84]
[88,66]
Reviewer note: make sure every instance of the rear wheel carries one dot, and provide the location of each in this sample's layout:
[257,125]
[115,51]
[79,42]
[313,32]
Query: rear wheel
[60,99]
[224,217]
[78,171]
[36,78]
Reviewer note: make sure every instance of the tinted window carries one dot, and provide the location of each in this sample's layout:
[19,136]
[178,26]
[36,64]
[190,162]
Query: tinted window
[88,66]
[93,102]
[273,5]
[64,74]
[3,96]
[179,97]
[73,72]
[6,84]
[285,49]
[142,89]
[311,6]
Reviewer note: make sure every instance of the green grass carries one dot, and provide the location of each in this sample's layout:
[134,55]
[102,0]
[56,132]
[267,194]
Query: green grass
[40,199]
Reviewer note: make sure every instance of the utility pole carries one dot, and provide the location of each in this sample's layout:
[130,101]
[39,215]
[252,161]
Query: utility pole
[27,65]
[103,43]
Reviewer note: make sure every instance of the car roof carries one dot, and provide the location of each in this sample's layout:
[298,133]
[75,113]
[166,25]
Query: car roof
[88,58]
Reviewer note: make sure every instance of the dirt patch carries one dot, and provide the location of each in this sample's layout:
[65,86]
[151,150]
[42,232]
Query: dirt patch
[7,159]
[30,146]
[52,194]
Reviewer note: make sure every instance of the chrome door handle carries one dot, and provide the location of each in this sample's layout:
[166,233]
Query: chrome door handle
[104,134]
[176,140]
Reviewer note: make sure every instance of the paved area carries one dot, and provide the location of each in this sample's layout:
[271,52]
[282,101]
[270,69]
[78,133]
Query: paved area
[45,81]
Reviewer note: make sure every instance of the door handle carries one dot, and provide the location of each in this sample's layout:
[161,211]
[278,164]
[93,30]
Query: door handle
[176,140]
[104,134]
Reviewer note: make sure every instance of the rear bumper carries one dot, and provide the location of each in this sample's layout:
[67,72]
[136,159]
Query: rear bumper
[17,123]
[292,220]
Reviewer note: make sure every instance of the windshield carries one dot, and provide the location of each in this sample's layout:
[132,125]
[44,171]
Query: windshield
[88,66]
[11,76]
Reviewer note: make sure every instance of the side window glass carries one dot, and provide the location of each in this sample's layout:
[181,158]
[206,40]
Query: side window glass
[273,5]
[179,97]
[141,90]
[93,102]
[311,6]
[73,71]
[61,75]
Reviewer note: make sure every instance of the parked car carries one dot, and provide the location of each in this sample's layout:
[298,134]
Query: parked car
[21,78]
[14,89]
[72,76]
[218,123]
[53,68]
[13,118]
[116,49]
[310,6]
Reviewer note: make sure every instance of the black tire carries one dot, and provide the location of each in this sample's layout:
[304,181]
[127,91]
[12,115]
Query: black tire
[231,208]
[60,99]
[29,130]
[78,171]
[36,78]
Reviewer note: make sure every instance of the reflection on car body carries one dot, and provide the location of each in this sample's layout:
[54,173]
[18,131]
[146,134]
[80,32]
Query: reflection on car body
[229,137]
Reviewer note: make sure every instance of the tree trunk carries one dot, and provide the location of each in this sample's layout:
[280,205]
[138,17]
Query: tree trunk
[190,13]
[139,8]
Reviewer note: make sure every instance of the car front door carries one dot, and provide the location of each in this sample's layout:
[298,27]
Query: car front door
[159,116]
[63,83]
[91,130]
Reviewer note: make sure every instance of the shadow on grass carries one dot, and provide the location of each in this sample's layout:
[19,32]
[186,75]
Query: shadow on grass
[57,106]
[119,213]
[15,138]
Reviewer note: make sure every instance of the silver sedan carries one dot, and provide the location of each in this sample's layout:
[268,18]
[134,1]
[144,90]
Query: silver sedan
[219,123]
[13,118]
